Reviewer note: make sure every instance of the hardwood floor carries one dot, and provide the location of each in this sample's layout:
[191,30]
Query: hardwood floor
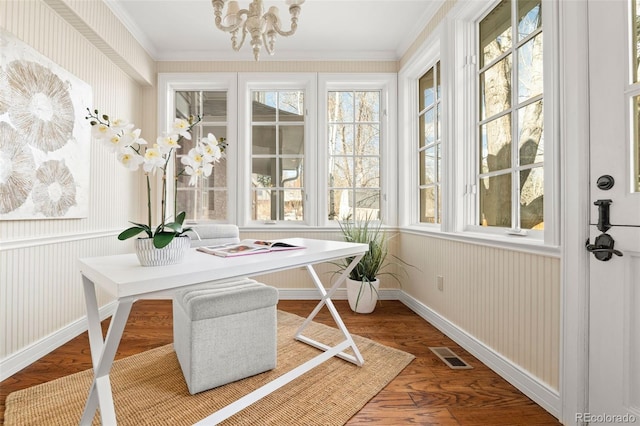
[426,392]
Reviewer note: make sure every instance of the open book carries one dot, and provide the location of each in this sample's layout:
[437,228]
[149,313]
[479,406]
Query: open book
[246,247]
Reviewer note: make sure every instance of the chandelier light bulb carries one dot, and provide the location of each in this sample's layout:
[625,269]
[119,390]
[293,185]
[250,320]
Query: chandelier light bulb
[261,27]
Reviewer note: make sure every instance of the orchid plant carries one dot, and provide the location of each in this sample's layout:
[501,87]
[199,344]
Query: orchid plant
[122,138]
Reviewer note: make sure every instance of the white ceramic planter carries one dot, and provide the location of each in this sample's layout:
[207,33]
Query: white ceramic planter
[173,253]
[362,296]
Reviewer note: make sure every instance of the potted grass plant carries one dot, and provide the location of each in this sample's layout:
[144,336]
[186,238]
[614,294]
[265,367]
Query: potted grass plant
[364,280]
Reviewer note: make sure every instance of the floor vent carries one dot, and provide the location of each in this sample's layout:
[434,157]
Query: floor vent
[450,358]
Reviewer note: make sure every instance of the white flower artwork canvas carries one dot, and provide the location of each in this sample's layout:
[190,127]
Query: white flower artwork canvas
[44,137]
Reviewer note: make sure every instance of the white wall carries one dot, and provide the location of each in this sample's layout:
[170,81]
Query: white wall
[40,286]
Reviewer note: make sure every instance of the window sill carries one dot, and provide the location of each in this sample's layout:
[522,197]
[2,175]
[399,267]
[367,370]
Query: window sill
[507,242]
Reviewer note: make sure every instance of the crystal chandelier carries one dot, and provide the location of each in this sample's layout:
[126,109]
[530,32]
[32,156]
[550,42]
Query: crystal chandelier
[261,26]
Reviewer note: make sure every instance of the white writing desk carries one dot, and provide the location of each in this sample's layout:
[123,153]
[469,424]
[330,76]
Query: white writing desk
[123,277]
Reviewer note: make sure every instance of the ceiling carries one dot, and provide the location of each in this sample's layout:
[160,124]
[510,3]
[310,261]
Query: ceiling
[184,30]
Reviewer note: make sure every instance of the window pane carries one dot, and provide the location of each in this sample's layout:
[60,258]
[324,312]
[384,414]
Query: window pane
[529,17]
[495,201]
[340,204]
[531,199]
[367,106]
[429,127]
[367,172]
[263,172]
[530,69]
[367,139]
[495,33]
[261,204]
[427,166]
[341,172]
[340,107]
[292,206]
[214,106]
[291,170]
[427,95]
[495,89]
[367,205]
[531,136]
[291,106]
[495,139]
[291,140]
[203,205]
[428,205]
[263,140]
[340,139]
[263,107]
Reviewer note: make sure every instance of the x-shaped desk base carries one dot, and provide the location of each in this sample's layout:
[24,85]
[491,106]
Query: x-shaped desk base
[103,351]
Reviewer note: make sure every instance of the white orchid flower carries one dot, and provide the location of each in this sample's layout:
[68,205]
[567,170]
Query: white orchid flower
[194,172]
[153,159]
[120,124]
[130,137]
[181,127]
[213,152]
[114,142]
[130,158]
[210,139]
[167,143]
[193,159]
[101,131]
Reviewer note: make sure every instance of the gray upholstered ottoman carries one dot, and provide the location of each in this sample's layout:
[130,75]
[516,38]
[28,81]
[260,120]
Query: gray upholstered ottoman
[224,332]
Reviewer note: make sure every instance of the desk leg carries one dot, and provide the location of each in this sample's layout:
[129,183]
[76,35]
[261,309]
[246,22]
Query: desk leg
[102,355]
[326,301]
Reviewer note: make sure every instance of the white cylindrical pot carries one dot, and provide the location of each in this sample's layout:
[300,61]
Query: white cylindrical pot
[362,296]
[174,252]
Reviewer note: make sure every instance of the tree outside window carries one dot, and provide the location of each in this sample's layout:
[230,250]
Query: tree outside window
[354,154]
[510,129]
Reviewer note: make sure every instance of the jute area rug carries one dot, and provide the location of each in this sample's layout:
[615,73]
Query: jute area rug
[149,388]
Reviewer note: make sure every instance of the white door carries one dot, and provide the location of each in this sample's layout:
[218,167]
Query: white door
[614,326]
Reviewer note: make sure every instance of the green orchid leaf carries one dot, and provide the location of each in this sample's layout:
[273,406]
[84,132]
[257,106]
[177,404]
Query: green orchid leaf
[180,217]
[141,225]
[162,239]
[174,225]
[130,232]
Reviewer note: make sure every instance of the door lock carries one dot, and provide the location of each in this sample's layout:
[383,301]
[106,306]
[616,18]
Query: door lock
[602,248]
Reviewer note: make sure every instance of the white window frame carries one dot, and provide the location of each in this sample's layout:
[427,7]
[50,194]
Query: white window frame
[248,82]
[386,83]
[453,42]
[466,30]
[409,177]
[168,85]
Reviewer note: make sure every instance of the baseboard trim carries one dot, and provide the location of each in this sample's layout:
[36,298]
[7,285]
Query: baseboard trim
[540,393]
[30,354]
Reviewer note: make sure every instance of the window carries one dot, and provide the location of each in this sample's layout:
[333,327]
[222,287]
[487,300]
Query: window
[207,199]
[277,155]
[278,159]
[354,154]
[510,177]
[429,145]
